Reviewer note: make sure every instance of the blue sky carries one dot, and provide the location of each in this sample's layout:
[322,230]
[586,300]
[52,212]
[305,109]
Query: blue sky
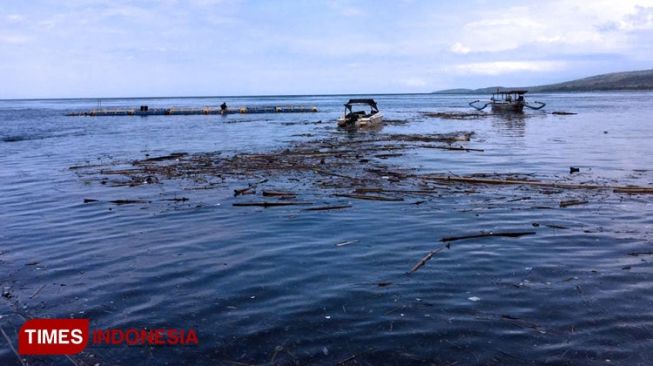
[100,48]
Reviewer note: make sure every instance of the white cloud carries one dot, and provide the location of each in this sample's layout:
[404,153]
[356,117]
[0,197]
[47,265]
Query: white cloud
[13,39]
[642,19]
[413,82]
[575,24]
[505,67]
[460,48]
[345,8]
[15,18]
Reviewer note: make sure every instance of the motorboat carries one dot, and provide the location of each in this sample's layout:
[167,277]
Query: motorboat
[360,118]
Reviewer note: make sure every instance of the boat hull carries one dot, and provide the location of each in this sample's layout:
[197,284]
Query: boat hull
[372,120]
[508,107]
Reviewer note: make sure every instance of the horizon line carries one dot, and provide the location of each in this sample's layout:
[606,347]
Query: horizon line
[212,96]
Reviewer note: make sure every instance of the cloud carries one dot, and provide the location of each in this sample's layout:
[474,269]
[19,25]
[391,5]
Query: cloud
[505,67]
[642,19]
[574,24]
[413,82]
[460,48]
[15,18]
[15,39]
[345,8]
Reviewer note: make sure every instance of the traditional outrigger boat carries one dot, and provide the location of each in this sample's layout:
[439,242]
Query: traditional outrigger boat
[508,101]
[361,118]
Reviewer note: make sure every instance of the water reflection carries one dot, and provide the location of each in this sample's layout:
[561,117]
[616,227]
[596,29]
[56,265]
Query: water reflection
[513,124]
[271,285]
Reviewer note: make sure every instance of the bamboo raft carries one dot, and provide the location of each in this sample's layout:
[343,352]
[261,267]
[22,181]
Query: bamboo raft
[146,111]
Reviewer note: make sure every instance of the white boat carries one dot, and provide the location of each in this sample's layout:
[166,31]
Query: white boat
[361,118]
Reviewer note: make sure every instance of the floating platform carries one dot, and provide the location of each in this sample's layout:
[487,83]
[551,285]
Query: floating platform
[146,111]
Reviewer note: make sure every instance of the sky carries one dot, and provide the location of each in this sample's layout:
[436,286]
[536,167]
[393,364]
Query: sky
[120,48]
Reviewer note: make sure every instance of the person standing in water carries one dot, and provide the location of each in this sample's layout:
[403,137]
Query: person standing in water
[223,107]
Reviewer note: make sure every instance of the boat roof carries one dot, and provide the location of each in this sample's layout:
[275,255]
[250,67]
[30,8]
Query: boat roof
[511,91]
[369,102]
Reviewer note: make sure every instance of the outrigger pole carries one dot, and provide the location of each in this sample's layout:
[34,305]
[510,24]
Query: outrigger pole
[541,105]
[471,104]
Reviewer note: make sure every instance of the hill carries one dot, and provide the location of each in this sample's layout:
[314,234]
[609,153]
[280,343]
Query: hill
[631,80]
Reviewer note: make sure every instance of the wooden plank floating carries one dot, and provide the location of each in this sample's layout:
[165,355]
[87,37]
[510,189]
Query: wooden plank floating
[146,111]
[538,183]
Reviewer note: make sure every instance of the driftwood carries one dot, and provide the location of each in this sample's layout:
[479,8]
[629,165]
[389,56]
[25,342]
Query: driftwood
[456,115]
[634,190]
[127,202]
[553,226]
[166,157]
[510,234]
[426,258]
[568,203]
[176,199]
[454,148]
[370,198]
[449,137]
[270,204]
[385,156]
[248,190]
[635,254]
[11,346]
[278,194]
[346,360]
[473,180]
[325,208]
[380,190]
[326,172]
[37,291]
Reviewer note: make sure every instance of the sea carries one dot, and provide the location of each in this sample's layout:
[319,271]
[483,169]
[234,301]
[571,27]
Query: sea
[286,286]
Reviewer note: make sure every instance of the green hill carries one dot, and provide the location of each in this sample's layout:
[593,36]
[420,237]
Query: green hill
[631,80]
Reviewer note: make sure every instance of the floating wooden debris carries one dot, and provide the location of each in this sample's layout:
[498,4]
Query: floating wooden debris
[127,202]
[247,190]
[176,199]
[426,258]
[326,167]
[474,180]
[449,137]
[452,148]
[370,197]
[510,234]
[634,190]
[568,203]
[278,194]
[172,156]
[270,204]
[636,254]
[456,115]
[326,208]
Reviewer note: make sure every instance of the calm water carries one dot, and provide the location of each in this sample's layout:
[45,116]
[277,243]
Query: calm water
[271,286]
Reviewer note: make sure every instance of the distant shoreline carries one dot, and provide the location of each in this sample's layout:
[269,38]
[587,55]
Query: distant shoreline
[442,92]
[641,80]
[487,91]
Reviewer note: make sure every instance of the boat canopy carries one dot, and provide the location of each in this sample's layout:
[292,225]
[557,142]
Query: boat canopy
[369,102]
[515,91]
